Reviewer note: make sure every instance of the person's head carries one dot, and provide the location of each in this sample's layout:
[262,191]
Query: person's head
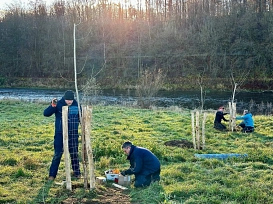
[69,97]
[245,112]
[221,108]
[126,147]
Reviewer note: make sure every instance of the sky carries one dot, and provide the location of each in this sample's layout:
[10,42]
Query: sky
[4,3]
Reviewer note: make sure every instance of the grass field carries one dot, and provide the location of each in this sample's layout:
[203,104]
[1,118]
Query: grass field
[26,148]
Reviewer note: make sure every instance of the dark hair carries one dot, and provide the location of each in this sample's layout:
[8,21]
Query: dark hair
[126,144]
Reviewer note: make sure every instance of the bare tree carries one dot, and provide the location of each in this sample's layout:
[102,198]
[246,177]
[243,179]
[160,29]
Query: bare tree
[236,83]
[149,84]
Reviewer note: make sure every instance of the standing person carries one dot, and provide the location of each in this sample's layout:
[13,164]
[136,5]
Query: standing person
[143,164]
[219,116]
[73,135]
[247,124]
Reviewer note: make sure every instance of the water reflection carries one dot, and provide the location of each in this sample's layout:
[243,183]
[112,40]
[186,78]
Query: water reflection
[256,102]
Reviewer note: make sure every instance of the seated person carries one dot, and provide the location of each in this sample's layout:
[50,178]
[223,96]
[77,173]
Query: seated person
[218,118]
[247,124]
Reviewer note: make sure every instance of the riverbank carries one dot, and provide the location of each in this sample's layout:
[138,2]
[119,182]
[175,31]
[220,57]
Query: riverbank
[185,84]
[256,102]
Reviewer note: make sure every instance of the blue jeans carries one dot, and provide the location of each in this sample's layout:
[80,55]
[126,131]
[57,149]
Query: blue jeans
[73,143]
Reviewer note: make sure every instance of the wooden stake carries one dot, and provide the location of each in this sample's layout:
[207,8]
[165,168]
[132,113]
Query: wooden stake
[84,155]
[197,129]
[193,130]
[233,115]
[203,130]
[87,119]
[230,117]
[65,146]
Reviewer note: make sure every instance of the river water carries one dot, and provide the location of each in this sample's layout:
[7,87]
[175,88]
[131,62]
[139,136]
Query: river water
[256,102]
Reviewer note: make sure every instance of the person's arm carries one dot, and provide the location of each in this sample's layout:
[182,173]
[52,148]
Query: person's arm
[240,117]
[135,168]
[127,171]
[225,118]
[221,115]
[50,110]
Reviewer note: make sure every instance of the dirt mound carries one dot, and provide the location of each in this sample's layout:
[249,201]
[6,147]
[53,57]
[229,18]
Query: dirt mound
[179,143]
[104,194]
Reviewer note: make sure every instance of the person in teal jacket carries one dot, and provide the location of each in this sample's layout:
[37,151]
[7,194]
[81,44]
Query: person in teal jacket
[247,124]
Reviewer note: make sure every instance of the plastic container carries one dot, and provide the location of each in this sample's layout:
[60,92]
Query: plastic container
[110,176]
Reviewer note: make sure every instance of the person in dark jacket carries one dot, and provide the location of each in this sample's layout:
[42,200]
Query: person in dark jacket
[73,135]
[143,164]
[219,116]
[247,124]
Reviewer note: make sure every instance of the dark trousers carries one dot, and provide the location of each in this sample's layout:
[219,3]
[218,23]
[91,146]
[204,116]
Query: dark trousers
[219,126]
[73,144]
[246,128]
[142,180]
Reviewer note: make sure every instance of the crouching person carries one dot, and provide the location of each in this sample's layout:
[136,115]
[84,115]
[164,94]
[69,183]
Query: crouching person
[143,164]
[219,116]
[247,124]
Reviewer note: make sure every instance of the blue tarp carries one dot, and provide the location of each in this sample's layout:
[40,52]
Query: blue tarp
[218,156]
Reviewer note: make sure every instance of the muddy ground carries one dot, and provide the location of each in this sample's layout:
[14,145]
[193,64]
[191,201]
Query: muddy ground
[104,194]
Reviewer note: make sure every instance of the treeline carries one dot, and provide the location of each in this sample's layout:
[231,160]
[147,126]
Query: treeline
[116,42]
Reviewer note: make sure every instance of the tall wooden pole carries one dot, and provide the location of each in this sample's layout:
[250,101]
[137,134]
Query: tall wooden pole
[84,159]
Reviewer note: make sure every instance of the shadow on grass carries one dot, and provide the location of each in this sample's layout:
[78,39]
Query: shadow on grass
[43,193]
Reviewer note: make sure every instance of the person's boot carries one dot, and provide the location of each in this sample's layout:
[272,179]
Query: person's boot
[51,178]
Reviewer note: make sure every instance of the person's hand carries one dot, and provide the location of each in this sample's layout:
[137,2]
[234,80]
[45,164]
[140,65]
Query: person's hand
[123,173]
[54,102]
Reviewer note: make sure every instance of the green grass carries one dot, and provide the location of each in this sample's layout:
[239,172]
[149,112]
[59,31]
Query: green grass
[26,148]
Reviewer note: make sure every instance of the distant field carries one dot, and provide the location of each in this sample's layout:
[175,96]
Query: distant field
[26,148]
